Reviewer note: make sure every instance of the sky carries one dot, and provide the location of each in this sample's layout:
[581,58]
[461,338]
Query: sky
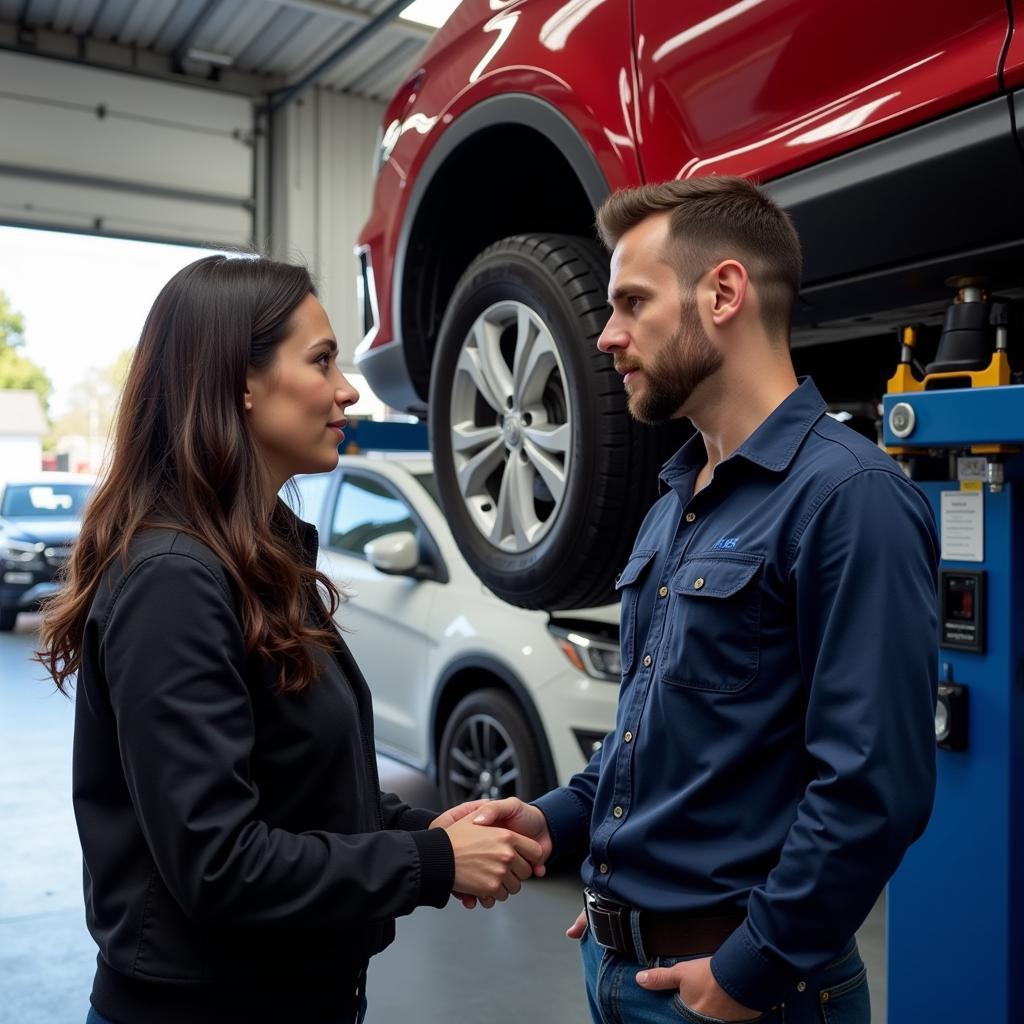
[85,299]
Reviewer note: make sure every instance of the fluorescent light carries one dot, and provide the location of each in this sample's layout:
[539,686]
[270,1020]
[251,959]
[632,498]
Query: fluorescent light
[433,13]
[224,60]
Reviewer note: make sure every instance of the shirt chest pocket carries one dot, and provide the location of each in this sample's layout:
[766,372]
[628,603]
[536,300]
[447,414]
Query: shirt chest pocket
[713,640]
[628,584]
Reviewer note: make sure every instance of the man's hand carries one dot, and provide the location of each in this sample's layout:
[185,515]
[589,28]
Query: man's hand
[491,862]
[697,989]
[578,927]
[527,820]
[454,814]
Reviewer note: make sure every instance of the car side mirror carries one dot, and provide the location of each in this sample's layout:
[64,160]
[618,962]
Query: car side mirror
[397,554]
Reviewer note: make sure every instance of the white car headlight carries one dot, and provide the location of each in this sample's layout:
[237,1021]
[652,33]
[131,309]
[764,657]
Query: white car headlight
[598,657]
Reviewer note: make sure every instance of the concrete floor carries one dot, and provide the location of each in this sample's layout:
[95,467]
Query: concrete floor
[497,966]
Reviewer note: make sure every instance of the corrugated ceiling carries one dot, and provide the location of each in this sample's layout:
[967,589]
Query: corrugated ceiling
[277,40]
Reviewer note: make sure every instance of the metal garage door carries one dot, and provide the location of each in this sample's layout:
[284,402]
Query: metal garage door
[83,149]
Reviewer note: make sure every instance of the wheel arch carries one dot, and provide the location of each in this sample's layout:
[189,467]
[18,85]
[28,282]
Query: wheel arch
[512,164]
[473,672]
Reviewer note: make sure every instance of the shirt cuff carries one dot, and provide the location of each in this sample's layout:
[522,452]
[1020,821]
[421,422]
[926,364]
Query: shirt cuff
[437,866]
[415,819]
[750,977]
[568,821]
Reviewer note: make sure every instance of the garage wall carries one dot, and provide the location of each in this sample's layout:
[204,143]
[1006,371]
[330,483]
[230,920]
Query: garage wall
[321,190]
[117,154]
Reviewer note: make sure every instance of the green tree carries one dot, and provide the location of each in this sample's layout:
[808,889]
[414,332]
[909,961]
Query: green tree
[17,371]
[93,401]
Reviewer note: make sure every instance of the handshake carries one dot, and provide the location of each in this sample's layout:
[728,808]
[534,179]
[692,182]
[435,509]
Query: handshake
[498,844]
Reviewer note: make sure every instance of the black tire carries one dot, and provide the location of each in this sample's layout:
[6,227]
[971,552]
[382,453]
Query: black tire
[489,728]
[8,617]
[611,465]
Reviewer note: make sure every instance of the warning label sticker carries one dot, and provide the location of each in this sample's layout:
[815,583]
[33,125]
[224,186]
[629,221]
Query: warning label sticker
[963,526]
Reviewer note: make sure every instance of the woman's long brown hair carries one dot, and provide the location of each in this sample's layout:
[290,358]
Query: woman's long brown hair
[183,458]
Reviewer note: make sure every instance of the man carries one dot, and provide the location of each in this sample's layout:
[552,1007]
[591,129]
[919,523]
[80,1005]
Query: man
[773,755]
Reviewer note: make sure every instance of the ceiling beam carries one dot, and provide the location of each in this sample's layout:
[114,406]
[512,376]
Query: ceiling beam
[282,97]
[409,29]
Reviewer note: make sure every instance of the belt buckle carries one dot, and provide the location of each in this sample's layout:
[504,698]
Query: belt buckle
[606,923]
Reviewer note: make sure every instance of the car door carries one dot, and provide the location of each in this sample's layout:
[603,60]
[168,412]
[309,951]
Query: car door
[763,87]
[385,619]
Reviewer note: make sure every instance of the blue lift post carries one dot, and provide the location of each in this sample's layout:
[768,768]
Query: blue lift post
[956,904]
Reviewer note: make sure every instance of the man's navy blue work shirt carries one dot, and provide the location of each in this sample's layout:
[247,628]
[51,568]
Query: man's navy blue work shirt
[774,747]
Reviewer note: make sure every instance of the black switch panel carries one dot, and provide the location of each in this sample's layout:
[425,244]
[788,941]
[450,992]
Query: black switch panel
[962,595]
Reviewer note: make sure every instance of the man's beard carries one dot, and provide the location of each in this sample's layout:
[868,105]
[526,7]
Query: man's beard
[686,360]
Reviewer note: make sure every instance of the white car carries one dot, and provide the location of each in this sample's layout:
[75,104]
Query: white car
[490,699]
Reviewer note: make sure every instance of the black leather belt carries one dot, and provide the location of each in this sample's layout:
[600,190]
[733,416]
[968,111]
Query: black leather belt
[616,926]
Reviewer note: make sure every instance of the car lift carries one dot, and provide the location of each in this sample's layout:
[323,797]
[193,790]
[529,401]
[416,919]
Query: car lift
[956,904]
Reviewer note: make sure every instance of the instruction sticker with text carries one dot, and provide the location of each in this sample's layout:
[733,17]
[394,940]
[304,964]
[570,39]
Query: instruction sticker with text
[963,526]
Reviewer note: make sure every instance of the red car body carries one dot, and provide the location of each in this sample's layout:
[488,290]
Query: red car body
[888,130]
[656,90]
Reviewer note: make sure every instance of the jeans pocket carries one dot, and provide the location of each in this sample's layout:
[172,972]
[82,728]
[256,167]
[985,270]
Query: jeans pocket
[848,1002]
[694,1017]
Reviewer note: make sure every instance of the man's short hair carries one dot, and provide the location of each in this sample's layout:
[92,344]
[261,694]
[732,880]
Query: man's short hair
[714,219]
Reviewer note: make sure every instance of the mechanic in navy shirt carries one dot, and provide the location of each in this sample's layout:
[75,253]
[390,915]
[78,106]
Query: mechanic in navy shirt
[774,753]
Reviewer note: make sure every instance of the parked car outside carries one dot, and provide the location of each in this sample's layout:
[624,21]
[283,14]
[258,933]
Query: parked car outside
[889,129]
[40,518]
[489,699]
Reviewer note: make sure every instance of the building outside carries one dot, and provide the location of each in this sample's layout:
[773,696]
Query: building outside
[22,429]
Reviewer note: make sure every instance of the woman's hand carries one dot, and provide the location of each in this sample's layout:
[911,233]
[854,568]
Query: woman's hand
[490,863]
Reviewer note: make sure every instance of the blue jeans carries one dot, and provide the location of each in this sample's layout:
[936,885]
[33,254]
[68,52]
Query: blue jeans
[96,1018]
[837,994]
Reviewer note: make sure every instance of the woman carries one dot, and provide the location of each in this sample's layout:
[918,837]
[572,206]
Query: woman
[241,863]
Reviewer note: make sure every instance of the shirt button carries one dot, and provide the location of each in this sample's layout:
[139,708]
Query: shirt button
[691,517]
[801,986]
[698,583]
[628,737]
[663,592]
[647,661]
[603,868]
[617,812]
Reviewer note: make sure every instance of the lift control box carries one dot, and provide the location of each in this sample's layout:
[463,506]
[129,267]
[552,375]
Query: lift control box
[956,904]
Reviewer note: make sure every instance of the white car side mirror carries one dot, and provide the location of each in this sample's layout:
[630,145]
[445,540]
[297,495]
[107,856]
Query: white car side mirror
[396,554]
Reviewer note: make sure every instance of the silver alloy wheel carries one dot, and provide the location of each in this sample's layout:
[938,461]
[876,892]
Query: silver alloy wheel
[482,760]
[511,426]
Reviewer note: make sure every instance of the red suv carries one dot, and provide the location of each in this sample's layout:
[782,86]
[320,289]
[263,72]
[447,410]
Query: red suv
[888,129]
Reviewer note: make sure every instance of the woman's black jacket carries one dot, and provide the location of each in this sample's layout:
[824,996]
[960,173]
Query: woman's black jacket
[240,859]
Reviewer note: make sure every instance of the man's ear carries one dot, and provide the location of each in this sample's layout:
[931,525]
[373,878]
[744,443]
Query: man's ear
[729,283]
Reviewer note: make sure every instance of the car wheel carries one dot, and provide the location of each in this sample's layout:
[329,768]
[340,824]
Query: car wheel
[8,617]
[543,475]
[488,751]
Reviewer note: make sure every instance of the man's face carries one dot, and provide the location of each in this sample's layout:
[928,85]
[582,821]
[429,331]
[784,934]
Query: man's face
[654,334]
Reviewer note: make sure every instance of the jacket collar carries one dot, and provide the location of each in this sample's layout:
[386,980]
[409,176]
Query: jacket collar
[772,445]
[303,535]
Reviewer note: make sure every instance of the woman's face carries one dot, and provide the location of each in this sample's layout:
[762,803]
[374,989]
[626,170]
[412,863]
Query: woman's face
[296,406]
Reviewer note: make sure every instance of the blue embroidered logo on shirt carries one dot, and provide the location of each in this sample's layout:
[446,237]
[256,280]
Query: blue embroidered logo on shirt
[726,544]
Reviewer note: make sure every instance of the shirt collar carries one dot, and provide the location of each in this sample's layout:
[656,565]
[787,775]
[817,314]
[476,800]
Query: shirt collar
[772,445]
